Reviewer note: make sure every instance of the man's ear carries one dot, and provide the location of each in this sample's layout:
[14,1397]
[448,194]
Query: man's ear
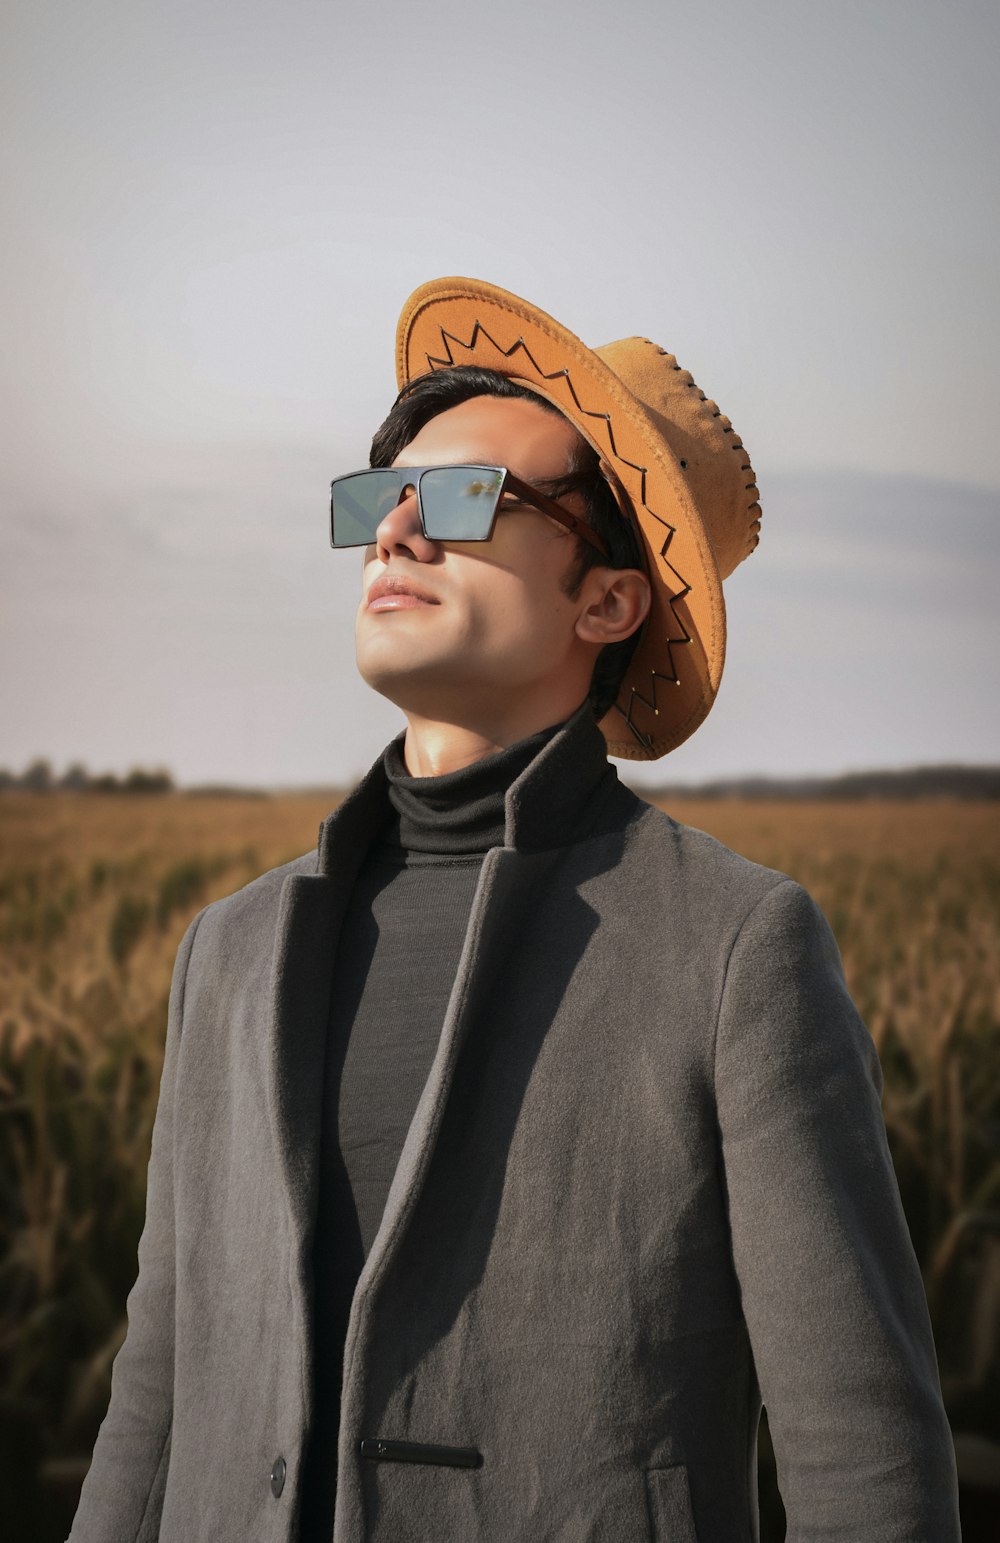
[615,602]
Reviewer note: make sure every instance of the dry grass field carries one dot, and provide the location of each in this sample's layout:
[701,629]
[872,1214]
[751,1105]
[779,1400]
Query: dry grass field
[96,890]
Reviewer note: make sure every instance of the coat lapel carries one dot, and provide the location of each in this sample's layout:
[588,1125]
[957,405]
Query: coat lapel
[311,911]
[502,896]
[312,907]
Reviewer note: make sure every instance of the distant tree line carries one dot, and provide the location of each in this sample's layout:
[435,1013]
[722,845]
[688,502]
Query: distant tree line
[962,782]
[959,782]
[39,777]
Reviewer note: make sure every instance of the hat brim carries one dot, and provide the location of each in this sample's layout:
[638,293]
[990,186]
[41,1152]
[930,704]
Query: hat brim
[675,671]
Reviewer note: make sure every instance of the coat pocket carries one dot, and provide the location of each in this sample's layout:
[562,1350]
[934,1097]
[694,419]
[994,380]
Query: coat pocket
[669,1498]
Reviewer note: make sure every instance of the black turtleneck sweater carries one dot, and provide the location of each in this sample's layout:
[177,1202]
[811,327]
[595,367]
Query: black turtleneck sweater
[396,960]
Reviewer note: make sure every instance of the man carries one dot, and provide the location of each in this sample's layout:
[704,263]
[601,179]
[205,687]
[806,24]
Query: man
[513,1143]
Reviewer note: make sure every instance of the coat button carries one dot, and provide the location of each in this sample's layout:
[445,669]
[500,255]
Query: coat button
[278,1472]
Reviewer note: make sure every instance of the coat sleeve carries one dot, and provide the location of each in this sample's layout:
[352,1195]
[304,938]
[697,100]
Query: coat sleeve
[122,1495]
[831,1290]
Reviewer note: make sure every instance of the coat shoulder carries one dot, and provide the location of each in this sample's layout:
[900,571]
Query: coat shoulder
[256,902]
[685,860]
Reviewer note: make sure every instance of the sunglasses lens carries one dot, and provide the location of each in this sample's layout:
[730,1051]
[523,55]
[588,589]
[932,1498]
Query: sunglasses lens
[459,502]
[359,503]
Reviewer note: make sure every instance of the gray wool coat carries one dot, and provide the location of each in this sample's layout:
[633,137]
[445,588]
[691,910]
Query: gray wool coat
[646,1183]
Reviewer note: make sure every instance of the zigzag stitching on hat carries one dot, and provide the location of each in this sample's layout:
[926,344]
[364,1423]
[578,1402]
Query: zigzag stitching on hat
[447,338]
[521,346]
[673,679]
[646,740]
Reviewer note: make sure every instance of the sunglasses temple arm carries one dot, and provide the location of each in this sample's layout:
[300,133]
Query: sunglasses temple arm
[572,522]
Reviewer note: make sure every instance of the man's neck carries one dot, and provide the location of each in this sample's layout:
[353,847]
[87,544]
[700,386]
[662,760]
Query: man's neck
[432,747]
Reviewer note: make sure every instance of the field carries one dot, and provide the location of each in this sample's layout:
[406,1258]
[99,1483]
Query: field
[95,892]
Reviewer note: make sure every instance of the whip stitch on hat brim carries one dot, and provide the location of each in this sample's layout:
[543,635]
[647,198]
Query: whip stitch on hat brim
[448,361]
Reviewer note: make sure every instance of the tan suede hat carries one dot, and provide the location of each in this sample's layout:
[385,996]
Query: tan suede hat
[686,473]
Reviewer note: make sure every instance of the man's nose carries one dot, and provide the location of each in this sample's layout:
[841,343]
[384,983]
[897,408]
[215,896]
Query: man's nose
[399,532]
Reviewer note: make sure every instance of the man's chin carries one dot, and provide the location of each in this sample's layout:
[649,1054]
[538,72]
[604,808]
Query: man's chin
[417,686]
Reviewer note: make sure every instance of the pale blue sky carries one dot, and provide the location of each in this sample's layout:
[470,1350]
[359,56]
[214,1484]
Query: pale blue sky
[215,212]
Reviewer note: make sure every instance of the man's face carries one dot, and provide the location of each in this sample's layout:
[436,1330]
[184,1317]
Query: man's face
[480,624]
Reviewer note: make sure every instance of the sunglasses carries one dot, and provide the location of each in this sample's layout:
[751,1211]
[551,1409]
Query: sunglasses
[456,503]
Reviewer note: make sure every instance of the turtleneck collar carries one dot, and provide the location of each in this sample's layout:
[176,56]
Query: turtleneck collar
[460,813]
[555,799]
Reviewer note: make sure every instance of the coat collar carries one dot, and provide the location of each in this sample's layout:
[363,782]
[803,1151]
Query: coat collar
[545,807]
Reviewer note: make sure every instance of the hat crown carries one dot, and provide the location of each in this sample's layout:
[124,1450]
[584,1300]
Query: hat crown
[711,455]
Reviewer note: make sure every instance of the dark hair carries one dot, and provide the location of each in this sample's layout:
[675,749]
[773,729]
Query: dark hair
[434,393]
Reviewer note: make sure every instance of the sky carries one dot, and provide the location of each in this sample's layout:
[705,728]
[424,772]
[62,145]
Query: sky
[214,214]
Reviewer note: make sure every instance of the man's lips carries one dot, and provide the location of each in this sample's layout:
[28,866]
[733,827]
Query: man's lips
[393,593]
